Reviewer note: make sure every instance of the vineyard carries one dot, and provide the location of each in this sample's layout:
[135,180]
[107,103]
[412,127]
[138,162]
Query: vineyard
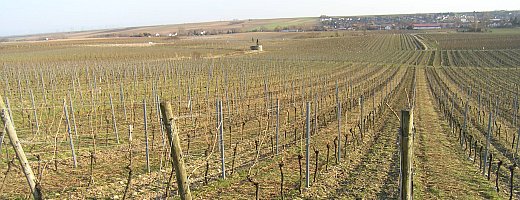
[314,115]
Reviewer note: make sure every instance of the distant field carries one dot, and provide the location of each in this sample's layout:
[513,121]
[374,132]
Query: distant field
[506,31]
[164,30]
[288,24]
[496,39]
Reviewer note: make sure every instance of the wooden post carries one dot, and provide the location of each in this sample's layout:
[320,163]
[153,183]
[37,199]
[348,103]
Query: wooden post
[161,127]
[486,151]
[327,162]
[451,113]
[515,111]
[511,169]
[316,152]
[234,156]
[220,125]
[479,103]
[316,115]
[489,167]
[466,107]
[73,117]
[406,142]
[277,123]
[2,135]
[175,151]
[130,169]
[69,131]
[92,158]
[300,180]
[114,118]
[281,180]
[20,154]
[122,99]
[497,175]
[307,144]
[361,124]
[374,103]
[10,112]
[35,113]
[517,141]
[339,133]
[146,137]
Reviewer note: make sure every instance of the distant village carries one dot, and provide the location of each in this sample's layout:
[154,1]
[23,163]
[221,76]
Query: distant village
[467,21]
[463,22]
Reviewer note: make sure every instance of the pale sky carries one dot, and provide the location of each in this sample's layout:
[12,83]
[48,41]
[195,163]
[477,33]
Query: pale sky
[19,17]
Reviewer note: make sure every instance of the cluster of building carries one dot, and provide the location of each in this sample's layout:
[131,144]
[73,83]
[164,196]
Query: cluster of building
[463,21]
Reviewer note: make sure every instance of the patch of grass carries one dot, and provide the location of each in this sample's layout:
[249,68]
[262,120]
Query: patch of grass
[286,24]
[436,192]
[505,31]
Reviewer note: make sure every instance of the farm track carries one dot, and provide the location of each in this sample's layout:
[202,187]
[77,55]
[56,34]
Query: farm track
[443,171]
[420,40]
[375,173]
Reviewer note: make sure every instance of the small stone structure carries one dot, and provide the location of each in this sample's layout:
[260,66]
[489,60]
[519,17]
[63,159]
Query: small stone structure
[256,48]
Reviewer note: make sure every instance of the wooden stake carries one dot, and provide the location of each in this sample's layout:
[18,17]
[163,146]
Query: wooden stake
[220,125]
[497,175]
[338,150]
[70,134]
[327,163]
[488,138]
[300,157]
[114,118]
[176,152]
[146,137]
[20,154]
[406,141]
[281,181]
[512,170]
[307,145]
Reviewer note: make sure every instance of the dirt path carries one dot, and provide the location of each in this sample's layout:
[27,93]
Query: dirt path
[374,174]
[442,171]
[421,41]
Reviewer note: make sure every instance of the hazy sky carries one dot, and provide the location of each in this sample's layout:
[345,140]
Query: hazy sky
[40,16]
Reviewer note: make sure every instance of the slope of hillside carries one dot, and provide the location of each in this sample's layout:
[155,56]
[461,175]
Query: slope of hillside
[216,27]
